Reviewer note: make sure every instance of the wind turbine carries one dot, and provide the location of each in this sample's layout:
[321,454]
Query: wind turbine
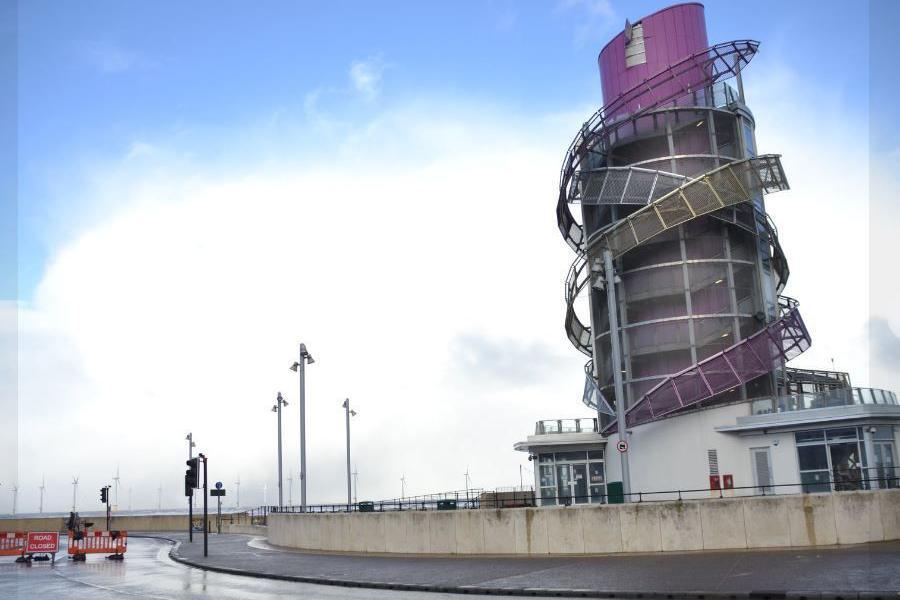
[75,493]
[402,487]
[129,498]
[265,494]
[41,487]
[116,479]
[237,485]
[15,491]
[468,480]
[355,483]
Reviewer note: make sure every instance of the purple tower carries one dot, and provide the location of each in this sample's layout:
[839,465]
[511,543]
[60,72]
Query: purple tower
[676,297]
[671,188]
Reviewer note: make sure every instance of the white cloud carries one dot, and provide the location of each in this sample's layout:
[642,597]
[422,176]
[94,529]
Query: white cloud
[595,18]
[182,311]
[365,75]
[420,262]
[109,57]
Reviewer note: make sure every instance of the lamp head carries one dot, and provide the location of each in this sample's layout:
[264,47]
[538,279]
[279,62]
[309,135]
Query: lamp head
[295,366]
[304,353]
[352,413]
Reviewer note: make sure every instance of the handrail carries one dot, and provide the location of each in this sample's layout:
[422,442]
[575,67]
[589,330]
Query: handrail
[716,63]
[748,359]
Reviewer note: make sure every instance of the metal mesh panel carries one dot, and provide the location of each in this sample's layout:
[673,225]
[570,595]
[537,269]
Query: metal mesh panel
[673,209]
[701,197]
[646,226]
[615,185]
[639,187]
[665,184]
[621,240]
[689,385]
[758,354]
[719,375]
[591,185]
[726,186]
[745,361]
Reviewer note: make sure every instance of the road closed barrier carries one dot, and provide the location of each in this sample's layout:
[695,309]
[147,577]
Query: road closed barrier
[82,543]
[12,543]
[40,545]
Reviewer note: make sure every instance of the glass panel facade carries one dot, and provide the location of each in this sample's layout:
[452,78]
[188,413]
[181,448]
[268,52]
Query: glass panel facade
[832,459]
[572,477]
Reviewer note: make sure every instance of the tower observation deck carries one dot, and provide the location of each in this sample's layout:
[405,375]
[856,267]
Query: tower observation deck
[665,179]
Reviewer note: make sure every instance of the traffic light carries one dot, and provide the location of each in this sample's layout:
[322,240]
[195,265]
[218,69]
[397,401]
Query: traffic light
[188,490]
[104,495]
[192,475]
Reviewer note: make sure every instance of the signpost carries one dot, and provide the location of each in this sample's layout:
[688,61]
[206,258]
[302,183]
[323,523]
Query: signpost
[622,446]
[42,542]
[218,492]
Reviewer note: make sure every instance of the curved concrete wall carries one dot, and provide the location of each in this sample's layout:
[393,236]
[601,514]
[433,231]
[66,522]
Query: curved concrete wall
[729,523]
[133,523]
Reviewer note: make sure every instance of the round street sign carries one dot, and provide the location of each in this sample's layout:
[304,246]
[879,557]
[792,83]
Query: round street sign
[622,446]
[218,485]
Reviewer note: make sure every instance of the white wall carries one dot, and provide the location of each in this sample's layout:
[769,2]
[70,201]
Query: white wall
[671,454]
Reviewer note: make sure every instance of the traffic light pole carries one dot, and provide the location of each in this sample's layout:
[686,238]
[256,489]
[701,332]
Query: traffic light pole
[205,509]
[191,517]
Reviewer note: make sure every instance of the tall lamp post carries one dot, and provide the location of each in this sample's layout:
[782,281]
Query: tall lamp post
[300,367]
[279,402]
[348,414]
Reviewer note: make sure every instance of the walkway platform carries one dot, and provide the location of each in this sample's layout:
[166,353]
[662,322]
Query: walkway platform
[862,571]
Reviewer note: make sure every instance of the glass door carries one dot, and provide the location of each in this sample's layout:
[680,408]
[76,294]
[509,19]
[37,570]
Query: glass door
[564,483]
[579,484]
[846,466]
[885,469]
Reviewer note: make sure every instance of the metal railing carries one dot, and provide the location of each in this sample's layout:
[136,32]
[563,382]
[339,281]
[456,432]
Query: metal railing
[585,425]
[842,480]
[826,399]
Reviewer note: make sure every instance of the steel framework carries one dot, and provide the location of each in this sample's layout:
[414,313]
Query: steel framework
[667,200]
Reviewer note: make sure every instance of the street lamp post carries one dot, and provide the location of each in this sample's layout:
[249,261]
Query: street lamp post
[279,402]
[348,414]
[300,368]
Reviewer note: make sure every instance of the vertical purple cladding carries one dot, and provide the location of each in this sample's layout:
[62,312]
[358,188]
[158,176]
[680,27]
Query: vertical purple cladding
[670,35]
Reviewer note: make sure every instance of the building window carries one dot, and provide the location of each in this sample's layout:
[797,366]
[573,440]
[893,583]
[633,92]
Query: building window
[635,53]
[831,459]
[885,472]
[575,477]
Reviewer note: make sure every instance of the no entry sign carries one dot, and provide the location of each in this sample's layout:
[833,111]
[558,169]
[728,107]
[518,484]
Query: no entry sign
[42,542]
[622,446]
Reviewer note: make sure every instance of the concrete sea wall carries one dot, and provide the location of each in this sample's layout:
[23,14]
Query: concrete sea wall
[126,523]
[728,523]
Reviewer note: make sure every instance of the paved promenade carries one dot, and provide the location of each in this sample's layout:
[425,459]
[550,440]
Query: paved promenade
[865,571]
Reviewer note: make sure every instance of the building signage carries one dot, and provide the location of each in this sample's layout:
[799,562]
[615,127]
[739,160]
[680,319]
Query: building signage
[622,446]
[40,542]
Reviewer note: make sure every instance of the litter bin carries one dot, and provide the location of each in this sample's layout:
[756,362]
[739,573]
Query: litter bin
[446,505]
[614,493]
[366,506]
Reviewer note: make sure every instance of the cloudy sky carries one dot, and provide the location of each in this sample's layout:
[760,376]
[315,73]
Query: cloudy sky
[196,189]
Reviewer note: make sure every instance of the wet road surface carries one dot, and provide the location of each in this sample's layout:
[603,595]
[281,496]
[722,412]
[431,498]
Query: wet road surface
[148,572]
[851,569]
